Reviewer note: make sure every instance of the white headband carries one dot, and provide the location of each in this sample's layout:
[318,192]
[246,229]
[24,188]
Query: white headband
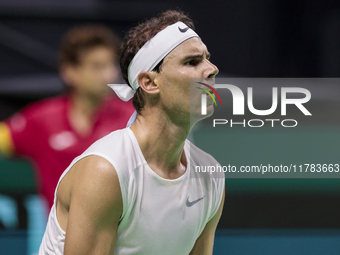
[152,52]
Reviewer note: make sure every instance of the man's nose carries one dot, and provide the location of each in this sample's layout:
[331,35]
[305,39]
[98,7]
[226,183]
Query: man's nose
[212,70]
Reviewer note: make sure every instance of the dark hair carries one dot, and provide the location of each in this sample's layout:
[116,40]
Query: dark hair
[138,36]
[85,37]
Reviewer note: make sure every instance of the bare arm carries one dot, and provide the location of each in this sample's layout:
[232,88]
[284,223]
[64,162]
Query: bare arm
[205,242]
[95,208]
[6,143]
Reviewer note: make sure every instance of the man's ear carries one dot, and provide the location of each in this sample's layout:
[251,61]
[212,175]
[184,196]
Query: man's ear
[146,81]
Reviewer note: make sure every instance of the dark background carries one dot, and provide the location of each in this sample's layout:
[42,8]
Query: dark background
[246,38]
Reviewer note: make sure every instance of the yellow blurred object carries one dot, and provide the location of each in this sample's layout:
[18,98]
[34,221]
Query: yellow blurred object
[6,143]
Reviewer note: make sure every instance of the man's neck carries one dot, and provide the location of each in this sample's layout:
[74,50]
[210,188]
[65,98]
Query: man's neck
[81,113]
[162,143]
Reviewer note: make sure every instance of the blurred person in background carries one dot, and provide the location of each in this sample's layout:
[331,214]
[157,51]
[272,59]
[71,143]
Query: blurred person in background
[52,132]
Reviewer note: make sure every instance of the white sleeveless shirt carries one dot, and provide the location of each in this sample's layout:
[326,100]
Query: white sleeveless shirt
[160,216]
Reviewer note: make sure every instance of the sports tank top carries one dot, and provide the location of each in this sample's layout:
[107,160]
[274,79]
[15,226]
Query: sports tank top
[160,216]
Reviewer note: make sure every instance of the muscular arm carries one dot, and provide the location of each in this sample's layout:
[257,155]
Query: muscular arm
[94,209]
[205,242]
[6,142]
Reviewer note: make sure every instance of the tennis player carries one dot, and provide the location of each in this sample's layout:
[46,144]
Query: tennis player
[135,190]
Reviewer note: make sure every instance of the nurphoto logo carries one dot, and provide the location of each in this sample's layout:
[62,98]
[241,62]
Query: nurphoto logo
[239,104]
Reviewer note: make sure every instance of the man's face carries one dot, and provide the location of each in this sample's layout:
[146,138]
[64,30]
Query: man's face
[188,60]
[95,70]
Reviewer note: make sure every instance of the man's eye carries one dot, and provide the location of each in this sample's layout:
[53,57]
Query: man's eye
[192,62]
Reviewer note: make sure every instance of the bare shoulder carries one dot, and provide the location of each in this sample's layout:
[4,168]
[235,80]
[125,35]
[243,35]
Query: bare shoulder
[92,171]
[94,176]
[95,167]
[90,187]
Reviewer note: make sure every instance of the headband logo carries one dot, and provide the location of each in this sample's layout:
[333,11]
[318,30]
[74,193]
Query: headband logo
[183,30]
